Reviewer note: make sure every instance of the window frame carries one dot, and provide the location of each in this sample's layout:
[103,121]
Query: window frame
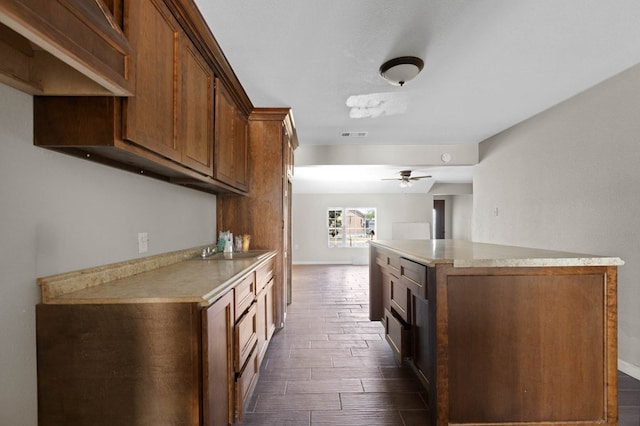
[346,228]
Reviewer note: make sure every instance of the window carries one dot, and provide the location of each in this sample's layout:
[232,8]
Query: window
[335,227]
[351,227]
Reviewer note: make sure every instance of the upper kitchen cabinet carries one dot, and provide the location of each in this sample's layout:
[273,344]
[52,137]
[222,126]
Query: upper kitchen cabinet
[63,47]
[231,141]
[195,103]
[150,117]
[187,122]
[172,112]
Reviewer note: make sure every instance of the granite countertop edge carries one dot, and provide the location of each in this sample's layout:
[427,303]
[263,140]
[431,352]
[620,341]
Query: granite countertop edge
[175,277]
[467,254]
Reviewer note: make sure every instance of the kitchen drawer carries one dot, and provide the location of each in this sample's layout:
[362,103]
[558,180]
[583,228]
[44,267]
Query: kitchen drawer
[245,294]
[245,337]
[389,261]
[263,275]
[397,335]
[246,382]
[414,276]
[399,298]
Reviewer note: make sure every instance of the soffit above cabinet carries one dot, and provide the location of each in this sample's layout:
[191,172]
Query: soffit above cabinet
[63,47]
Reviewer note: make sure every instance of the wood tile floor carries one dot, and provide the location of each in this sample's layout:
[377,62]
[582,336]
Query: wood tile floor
[628,400]
[330,365]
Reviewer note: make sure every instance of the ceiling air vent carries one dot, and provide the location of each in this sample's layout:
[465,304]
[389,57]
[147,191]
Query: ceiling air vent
[353,134]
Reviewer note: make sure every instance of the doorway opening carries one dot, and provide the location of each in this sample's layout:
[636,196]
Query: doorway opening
[438,219]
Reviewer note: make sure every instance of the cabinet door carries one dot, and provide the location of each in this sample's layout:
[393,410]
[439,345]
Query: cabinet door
[224,135]
[195,110]
[121,364]
[423,340]
[270,313]
[261,324]
[231,143]
[218,375]
[241,151]
[149,116]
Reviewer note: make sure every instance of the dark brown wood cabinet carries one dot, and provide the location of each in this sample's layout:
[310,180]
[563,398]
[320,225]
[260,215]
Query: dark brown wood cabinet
[40,38]
[100,364]
[501,344]
[218,373]
[172,112]
[393,302]
[195,104]
[231,141]
[185,360]
[136,364]
[150,117]
[264,305]
[188,120]
[270,133]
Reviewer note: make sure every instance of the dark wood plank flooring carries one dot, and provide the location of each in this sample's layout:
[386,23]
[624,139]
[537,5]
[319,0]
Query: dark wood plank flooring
[628,400]
[330,365]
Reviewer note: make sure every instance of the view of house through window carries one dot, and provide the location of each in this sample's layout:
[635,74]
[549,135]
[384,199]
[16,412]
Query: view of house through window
[351,227]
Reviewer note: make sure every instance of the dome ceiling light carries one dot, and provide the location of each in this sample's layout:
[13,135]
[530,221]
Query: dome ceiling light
[398,71]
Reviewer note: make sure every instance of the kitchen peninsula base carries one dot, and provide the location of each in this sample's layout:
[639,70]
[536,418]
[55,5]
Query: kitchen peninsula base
[501,335]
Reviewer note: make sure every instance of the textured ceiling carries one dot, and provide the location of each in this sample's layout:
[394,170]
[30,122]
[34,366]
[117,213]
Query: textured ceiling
[488,64]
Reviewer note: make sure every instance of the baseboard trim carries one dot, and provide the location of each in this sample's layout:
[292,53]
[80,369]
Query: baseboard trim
[628,368]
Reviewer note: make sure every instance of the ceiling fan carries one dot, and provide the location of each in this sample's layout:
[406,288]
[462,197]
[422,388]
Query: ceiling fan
[406,178]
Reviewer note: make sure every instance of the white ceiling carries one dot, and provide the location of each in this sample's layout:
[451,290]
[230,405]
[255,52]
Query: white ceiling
[488,64]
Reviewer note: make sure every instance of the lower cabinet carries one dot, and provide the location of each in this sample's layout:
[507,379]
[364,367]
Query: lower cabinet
[265,319]
[154,363]
[129,364]
[217,355]
[408,315]
[423,345]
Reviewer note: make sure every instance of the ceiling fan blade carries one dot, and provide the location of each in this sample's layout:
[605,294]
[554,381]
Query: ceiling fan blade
[391,179]
[419,177]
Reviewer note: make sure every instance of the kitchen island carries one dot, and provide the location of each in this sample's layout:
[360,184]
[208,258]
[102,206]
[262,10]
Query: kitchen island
[500,334]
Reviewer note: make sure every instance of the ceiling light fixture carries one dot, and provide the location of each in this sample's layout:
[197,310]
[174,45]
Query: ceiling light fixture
[406,179]
[398,71]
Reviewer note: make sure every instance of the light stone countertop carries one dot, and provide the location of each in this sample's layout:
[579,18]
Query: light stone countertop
[191,280]
[466,254]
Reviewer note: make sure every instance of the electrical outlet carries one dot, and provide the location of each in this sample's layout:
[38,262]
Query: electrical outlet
[143,242]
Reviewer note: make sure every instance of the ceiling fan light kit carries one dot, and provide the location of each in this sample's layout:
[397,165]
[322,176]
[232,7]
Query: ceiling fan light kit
[406,178]
[398,71]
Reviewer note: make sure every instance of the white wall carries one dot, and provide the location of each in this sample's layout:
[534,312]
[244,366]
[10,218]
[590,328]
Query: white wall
[309,228]
[60,213]
[569,179]
[461,217]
